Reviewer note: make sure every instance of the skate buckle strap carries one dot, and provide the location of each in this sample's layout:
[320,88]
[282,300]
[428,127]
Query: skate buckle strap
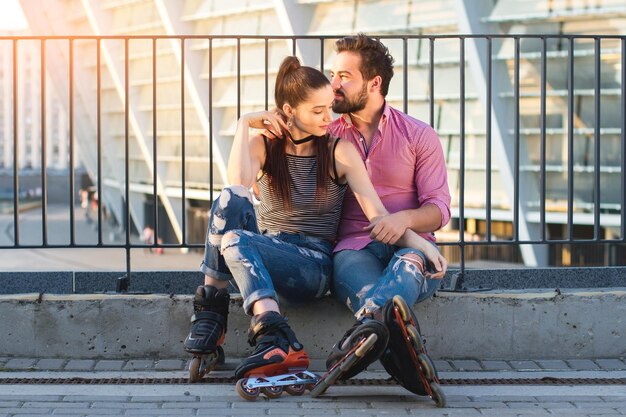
[260,331]
[208,315]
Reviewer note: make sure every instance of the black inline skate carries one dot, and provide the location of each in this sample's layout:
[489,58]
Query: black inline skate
[361,345]
[405,358]
[208,330]
[278,363]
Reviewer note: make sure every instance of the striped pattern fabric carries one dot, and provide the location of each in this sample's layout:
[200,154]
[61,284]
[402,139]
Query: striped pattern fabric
[309,214]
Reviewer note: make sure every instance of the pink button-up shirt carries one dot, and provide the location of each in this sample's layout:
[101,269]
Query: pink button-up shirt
[406,165]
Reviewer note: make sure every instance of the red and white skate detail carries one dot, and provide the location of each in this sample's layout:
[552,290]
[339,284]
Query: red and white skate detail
[344,364]
[275,378]
[294,382]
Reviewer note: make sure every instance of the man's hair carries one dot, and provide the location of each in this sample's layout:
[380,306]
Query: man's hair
[375,58]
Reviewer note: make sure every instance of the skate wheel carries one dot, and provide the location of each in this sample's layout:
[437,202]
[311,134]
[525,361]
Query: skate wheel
[366,346]
[403,309]
[428,368]
[248,394]
[437,395]
[272,392]
[416,339]
[310,386]
[295,390]
[195,374]
[318,390]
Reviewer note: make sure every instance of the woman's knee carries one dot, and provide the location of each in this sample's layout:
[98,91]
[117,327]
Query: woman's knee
[231,239]
[232,193]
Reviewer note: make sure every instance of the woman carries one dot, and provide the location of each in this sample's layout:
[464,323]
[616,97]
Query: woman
[300,175]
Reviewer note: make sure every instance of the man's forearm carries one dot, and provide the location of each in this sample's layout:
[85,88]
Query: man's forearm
[425,219]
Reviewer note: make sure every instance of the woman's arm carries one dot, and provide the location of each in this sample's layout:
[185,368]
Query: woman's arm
[247,154]
[350,167]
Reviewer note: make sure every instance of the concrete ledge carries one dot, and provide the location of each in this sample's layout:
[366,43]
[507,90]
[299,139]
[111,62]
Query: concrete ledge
[185,282]
[509,325]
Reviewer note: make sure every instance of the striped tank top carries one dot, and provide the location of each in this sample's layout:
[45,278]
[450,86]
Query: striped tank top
[313,216]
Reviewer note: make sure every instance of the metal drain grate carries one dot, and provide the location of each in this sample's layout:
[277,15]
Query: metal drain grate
[232,380]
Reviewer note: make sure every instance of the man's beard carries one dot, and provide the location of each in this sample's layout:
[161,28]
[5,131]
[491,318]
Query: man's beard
[351,105]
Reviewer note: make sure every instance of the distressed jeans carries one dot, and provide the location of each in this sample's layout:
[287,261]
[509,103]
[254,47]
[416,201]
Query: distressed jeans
[365,279]
[293,265]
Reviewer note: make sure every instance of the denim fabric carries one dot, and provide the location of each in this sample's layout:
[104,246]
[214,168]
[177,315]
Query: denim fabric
[367,278]
[231,210]
[293,265]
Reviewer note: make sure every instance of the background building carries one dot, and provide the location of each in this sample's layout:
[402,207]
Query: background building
[209,82]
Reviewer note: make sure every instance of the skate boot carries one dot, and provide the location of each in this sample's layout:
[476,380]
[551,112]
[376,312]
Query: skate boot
[207,330]
[278,363]
[361,345]
[405,358]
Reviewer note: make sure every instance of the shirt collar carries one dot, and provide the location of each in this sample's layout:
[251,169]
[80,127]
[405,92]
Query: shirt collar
[345,118]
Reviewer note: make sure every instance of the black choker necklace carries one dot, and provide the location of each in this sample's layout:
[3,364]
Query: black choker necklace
[303,140]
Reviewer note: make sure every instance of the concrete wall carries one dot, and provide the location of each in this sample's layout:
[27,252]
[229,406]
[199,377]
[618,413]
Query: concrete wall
[498,325]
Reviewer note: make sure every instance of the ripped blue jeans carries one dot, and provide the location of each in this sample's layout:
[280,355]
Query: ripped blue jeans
[365,279]
[293,265]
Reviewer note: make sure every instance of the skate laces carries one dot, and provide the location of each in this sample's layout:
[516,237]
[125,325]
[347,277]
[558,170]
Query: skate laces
[271,327]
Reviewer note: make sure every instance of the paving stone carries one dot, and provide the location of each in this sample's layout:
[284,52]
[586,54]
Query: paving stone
[93,398]
[19,363]
[50,364]
[443,366]
[160,412]
[558,406]
[109,365]
[583,364]
[29,397]
[22,411]
[169,398]
[496,366]
[478,404]
[611,364]
[501,412]
[524,365]
[553,365]
[464,412]
[139,365]
[90,411]
[118,404]
[569,398]
[466,365]
[504,398]
[170,365]
[54,404]
[80,365]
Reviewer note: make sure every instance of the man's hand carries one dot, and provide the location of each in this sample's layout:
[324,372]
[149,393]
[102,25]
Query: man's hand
[388,229]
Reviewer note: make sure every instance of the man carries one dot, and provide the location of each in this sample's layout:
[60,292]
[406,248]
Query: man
[405,162]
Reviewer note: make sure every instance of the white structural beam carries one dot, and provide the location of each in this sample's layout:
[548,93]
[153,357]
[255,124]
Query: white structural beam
[471,14]
[295,19]
[170,14]
[138,122]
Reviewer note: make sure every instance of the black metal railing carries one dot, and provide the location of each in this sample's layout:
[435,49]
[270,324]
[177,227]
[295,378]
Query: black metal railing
[484,43]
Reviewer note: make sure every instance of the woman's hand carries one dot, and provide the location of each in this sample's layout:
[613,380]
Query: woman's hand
[437,261]
[387,229]
[271,122]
